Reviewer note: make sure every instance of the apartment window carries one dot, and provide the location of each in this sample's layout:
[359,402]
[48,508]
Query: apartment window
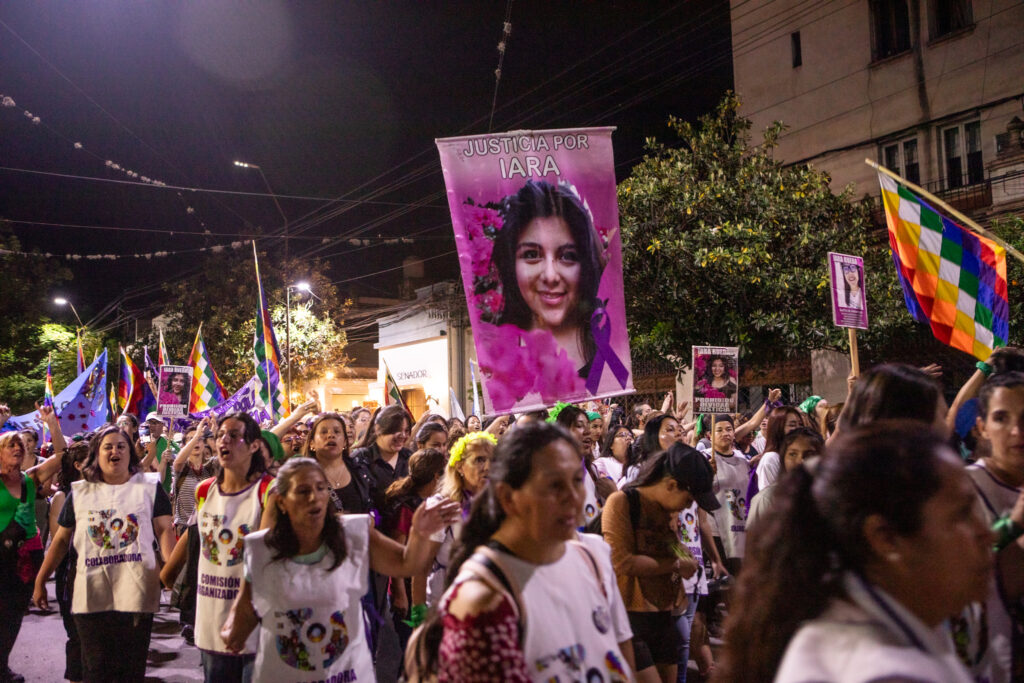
[794,41]
[890,28]
[961,147]
[901,157]
[948,16]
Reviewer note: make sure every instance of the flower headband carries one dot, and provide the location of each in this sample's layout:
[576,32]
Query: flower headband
[555,411]
[459,449]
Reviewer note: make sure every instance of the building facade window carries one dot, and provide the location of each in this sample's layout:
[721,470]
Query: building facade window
[961,150]
[794,42]
[890,28]
[902,157]
[948,16]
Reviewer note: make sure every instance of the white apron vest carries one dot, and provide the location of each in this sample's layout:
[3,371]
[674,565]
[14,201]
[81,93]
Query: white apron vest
[113,537]
[731,490]
[591,504]
[689,535]
[224,521]
[311,617]
[570,634]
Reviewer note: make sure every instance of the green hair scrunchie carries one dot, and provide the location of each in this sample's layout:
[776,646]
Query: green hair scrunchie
[555,411]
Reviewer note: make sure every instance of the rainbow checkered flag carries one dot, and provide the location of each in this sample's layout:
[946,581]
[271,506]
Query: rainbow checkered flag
[952,278]
[207,391]
[161,355]
[269,392]
[130,386]
[80,367]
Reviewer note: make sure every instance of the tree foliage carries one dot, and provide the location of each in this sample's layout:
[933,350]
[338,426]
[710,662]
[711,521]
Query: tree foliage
[223,297]
[724,245]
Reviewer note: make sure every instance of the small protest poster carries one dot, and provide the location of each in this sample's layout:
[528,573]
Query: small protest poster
[849,299]
[536,223]
[174,387]
[716,371]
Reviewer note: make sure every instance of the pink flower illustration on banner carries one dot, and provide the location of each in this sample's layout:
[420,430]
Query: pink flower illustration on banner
[555,374]
[506,364]
[492,300]
[482,223]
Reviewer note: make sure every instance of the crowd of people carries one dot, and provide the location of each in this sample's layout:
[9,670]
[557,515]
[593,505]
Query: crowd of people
[881,538]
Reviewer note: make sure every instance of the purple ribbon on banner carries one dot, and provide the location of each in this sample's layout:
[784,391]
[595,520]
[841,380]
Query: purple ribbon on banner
[601,328]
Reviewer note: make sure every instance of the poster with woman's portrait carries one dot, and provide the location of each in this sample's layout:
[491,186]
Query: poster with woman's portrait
[174,388]
[849,300]
[716,379]
[536,225]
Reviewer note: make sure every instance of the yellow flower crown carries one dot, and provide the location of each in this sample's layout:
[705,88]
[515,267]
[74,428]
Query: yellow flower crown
[460,446]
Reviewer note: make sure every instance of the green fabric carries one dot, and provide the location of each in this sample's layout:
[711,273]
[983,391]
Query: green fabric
[1006,531]
[161,446]
[22,513]
[274,444]
[417,615]
[313,557]
[810,404]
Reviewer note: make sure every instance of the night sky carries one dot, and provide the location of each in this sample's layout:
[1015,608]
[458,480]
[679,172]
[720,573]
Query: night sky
[331,99]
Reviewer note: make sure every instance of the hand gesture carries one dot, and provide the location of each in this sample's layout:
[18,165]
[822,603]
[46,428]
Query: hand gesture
[774,395]
[933,370]
[681,410]
[685,567]
[718,570]
[46,414]
[435,517]
[309,406]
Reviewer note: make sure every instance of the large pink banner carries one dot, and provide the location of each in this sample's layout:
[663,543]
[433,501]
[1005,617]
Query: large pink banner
[537,230]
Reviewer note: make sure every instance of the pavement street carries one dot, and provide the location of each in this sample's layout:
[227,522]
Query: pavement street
[39,653]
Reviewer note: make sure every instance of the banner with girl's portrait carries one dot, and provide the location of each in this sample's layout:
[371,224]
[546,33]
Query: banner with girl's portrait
[716,379]
[536,225]
[849,301]
[174,387]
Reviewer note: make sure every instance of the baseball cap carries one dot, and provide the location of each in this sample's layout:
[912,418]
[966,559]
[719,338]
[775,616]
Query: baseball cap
[692,471]
[154,417]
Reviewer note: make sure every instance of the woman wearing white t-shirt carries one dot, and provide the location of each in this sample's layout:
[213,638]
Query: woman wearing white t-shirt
[870,550]
[305,575]
[529,602]
[614,453]
[732,475]
[113,516]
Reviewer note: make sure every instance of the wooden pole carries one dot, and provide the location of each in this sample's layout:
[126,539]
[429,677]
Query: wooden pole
[854,355]
[967,222]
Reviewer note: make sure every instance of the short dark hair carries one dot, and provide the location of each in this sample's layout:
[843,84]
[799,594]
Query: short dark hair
[91,467]
[1004,380]
[891,391]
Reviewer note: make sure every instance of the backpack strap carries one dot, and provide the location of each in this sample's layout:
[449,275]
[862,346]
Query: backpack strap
[485,564]
[592,561]
[203,491]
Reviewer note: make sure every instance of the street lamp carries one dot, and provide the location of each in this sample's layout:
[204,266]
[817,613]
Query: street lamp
[299,287]
[242,164]
[60,301]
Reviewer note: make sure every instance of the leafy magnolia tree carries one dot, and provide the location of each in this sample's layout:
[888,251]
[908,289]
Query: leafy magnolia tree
[724,245]
[223,297]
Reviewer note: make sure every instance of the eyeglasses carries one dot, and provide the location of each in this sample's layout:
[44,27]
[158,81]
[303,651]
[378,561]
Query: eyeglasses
[624,435]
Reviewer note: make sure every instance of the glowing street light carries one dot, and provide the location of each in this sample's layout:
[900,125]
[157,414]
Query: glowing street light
[61,301]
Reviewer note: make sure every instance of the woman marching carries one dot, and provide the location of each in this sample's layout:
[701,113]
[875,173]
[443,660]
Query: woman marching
[228,508]
[867,553]
[527,600]
[305,576]
[114,517]
[21,547]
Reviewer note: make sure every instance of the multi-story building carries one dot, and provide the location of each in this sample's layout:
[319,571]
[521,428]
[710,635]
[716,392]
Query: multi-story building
[932,89]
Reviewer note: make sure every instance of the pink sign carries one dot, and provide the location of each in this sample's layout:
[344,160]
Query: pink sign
[537,230]
[849,300]
[174,387]
[716,373]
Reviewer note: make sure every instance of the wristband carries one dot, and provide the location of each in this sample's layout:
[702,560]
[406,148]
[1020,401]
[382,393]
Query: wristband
[985,368]
[417,615]
[1007,531]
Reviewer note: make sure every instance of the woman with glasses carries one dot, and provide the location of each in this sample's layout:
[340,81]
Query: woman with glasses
[614,453]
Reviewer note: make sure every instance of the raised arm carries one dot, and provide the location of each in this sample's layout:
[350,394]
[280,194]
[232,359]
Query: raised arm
[186,450]
[285,425]
[389,557]
[755,421]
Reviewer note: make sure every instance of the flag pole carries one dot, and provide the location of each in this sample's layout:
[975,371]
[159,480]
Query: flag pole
[932,198]
[854,353]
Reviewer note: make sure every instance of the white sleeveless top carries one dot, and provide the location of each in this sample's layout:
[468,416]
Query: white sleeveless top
[730,488]
[311,617]
[224,521]
[570,632]
[113,537]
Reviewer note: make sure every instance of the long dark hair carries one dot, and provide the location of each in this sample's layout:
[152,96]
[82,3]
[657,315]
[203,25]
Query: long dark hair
[386,420]
[77,451]
[776,428]
[512,465]
[91,468]
[794,566]
[540,199]
[891,391]
[648,444]
[609,441]
[423,435]
[424,465]
[250,435]
[846,285]
[307,445]
[281,537]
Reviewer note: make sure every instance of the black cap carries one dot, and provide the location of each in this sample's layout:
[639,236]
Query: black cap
[692,471]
